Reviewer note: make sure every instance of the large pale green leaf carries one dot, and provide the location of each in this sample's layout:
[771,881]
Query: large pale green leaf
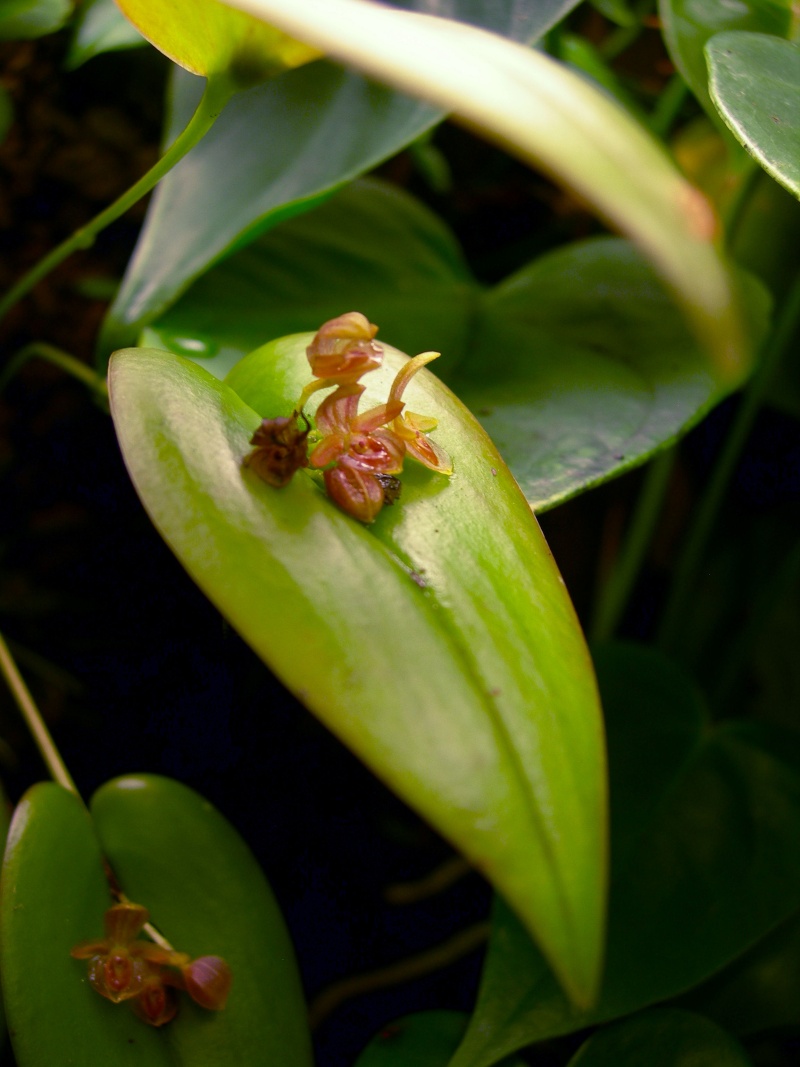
[755,83]
[175,855]
[578,366]
[277,149]
[552,118]
[664,1037]
[702,821]
[688,25]
[439,644]
[425,1039]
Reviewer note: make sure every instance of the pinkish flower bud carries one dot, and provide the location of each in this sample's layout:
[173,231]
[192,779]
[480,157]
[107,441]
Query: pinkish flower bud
[208,981]
[356,491]
[343,349]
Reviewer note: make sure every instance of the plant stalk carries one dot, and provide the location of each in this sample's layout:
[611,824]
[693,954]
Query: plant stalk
[217,93]
[34,721]
[686,571]
[59,358]
[617,589]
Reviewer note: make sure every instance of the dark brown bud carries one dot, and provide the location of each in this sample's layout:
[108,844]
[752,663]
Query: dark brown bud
[280,449]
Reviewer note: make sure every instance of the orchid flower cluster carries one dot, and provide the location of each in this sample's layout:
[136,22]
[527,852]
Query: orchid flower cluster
[360,455]
[124,967]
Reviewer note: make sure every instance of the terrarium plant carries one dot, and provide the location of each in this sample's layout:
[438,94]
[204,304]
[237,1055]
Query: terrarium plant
[365,520]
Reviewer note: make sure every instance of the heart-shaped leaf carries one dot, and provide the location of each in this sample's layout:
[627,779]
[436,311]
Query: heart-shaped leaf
[552,118]
[665,1037]
[325,127]
[439,644]
[579,366]
[204,890]
[755,83]
[207,38]
[703,866]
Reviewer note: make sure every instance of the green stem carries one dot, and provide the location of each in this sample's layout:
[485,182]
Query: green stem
[668,106]
[33,719]
[735,210]
[686,571]
[214,98]
[60,359]
[616,591]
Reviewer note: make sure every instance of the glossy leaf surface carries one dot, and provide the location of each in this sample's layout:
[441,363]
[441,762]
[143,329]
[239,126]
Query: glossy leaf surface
[662,1038]
[554,119]
[23,19]
[702,824]
[755,83]
[209,39]
[174,852]
[425,1039]
[469,693]
[578,366]
[276,150]
[100,27]
[53,895]
[689,24]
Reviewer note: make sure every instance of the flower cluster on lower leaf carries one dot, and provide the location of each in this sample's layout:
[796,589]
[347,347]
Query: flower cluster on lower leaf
[360,455]
[125,967]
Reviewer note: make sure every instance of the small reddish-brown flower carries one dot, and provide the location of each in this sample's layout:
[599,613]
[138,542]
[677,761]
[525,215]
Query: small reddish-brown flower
[120,963]
[362,439]
[280,449]
[412,428]
[343,349]
[156,1004]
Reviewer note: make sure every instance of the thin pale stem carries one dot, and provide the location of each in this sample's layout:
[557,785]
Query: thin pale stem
[214,98]
[59,358]
[694,548]
[668,106]
[617,588]
[53,761]
[35,722]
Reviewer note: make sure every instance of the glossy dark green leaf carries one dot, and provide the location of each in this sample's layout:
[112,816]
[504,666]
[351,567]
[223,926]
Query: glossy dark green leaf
[761,990]
[688,25]
[23,19]
[755,83]
[277,150]
[579,366]
[439,643]
[664,1037]
[175,853]
[425,1039]
[702,866]
[54,894]
[100,27]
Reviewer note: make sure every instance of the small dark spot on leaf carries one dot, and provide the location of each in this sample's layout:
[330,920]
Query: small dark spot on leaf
[484,412]
[419,579]
[494,472]
[390,1033]
[775,119]
[619,456]
[495,692]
